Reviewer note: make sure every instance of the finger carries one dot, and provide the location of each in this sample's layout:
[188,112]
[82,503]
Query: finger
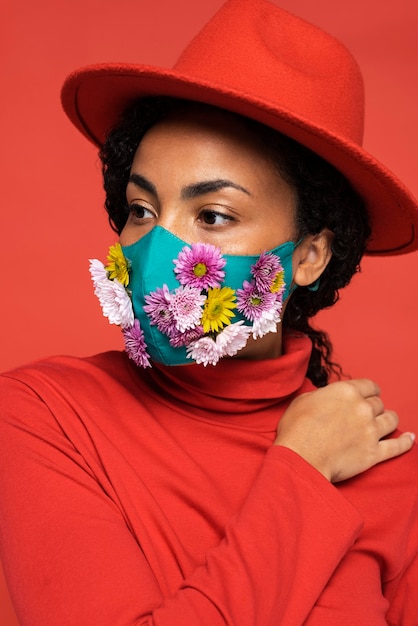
[395,446]
[365,387]
[377,405]
[386,423]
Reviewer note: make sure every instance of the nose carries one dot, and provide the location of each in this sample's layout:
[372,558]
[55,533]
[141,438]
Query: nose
[177,221]
[176,227]
[171,219]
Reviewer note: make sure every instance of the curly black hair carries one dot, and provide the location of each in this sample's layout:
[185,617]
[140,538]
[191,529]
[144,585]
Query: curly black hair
[324,199]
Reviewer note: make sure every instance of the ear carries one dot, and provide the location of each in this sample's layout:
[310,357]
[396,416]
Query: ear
[311,257]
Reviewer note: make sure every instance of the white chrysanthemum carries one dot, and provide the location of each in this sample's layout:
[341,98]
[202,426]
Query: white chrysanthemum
[233,338]
[204,351]
[267,323]
[97,270]
[115,302]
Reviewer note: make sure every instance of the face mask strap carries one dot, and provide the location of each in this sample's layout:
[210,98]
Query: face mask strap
[315,285]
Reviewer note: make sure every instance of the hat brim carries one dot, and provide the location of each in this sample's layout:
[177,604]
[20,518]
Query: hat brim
[94,98]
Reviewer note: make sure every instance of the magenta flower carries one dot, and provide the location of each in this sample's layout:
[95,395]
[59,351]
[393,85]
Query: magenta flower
[178,339]
[135,345]
[233,338]
[200,266]
[265,271]
[158,309]
[186,307]
[252,303]
[204,351]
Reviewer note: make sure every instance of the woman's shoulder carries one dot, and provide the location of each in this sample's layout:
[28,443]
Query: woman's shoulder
[69,395]
[65,376]
[68,367]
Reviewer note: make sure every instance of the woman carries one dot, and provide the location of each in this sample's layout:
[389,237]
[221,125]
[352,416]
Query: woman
[203,478]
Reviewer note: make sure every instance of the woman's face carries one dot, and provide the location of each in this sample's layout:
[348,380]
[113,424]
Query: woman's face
[206,178]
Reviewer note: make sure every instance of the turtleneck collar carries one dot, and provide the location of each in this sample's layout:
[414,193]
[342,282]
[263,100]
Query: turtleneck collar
[235,387]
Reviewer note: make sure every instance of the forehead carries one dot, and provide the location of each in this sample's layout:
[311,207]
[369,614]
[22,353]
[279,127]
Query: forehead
[212,127]
[208,138]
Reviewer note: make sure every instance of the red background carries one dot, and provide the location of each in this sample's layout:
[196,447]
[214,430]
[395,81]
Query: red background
[52,221]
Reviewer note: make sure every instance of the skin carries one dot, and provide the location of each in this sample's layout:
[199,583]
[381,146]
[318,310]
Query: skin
[206,178]
[235,212]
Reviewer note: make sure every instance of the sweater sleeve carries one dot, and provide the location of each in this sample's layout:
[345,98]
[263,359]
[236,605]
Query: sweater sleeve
[70,558]
[402,589]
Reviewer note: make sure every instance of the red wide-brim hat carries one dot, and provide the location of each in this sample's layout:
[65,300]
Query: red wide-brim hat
[258,60]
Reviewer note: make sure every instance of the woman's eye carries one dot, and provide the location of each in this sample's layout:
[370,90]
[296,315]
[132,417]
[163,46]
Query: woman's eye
[215,218]
[140,212]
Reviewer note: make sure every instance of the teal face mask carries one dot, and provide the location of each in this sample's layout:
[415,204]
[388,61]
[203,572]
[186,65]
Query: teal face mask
[193,304]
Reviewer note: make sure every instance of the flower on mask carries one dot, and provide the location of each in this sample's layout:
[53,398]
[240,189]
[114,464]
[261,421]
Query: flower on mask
[158,310]
[278,285]
[186,307]
[218,309]
[197,315]
[114,300]
[179,339]
[265,271]
[204,351]
[252,303]
[267,322]
[233,338]
[118,266]
[135,345]
[97,270]
[200,266]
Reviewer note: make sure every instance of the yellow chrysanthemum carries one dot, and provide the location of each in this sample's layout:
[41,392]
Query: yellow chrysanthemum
[218,309]
[118,266]
[278,282]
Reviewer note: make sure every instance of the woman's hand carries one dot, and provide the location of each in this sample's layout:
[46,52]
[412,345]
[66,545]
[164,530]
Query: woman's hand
[339,429]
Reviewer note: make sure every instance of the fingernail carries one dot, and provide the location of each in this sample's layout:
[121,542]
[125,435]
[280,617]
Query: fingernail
[412,435]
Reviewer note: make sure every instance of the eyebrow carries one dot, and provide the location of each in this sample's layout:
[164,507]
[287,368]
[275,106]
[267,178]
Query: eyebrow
[143,183]
[199,189]
[190,191]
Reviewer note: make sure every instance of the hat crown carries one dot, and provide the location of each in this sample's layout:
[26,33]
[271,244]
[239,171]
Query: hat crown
[290,64]
[257,60]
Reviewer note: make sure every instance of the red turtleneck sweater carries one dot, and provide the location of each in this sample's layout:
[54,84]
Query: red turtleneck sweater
[157,498]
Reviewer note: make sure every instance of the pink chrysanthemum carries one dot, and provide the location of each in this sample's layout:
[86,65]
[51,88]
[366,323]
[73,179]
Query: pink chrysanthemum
[135,345]
[233,338]
[252,303]
[115,302]
[265,271]
[267,322]
[200,266]
[186,307]
[158,310]
[178,339]
[204,351]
